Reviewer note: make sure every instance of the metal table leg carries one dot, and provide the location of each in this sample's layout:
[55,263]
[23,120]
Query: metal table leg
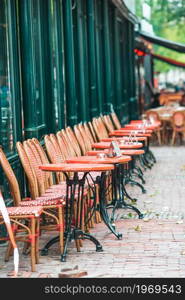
[75,231]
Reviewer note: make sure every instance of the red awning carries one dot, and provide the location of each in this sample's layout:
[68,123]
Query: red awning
[169,60]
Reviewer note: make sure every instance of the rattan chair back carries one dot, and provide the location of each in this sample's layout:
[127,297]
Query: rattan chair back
[74,141]
[89,133]
[12,180]
[63,147]
[29,171]
[69,145]
[115,120]
[80,139]
[93,132]
[108,123]
[102,128]
[86,137]
[54,140]
[96,129]
[44,160]
[178,120]
[35,162]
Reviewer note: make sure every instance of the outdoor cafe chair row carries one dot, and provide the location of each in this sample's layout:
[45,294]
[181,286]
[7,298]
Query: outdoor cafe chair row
[48,193]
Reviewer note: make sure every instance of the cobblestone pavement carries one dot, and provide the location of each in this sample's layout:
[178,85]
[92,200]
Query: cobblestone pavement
[152,247]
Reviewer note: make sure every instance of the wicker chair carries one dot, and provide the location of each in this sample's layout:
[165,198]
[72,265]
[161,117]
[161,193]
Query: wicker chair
[115,120]
[73,140]
[55,151]
[64,148]
[93,133]
[103,127]
[178,125]
[154,117]
[50,201]
[54,154]
[80,139]
[90,135]
[96,129]
[87,138]
[25,219]
[44,160]
[31,161]
[100,128]
[63,145]
[70,146]
[108,123]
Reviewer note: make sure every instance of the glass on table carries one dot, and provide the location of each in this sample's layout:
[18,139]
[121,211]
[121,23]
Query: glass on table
[101,155]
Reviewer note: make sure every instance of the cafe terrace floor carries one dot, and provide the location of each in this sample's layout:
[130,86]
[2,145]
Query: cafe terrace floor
[152,247]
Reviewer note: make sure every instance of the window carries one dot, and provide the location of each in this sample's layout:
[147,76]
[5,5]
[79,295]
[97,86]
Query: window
[6,105]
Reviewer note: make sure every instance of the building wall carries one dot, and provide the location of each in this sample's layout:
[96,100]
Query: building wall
[61,62]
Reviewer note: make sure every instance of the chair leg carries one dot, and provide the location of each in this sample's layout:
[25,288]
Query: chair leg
[8,251]
[61,228]
[26,248]
[159,137]
[86,225]
[77,242]
[37,240]
[32,238]
[173,138]
[97,214]
[181,138]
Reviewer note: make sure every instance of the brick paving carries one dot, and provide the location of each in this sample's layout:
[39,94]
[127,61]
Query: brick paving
[152,247]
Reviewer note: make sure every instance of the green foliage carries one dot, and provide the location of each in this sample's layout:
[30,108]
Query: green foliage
[168,19]
[139,4]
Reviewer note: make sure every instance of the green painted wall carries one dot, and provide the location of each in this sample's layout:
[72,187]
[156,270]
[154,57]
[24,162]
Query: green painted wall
[68,61]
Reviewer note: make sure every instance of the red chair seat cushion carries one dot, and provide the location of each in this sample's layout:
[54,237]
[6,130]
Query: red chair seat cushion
[21,211]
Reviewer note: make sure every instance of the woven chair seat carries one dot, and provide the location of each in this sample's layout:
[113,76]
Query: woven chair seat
[56,190]
[21,211]
[44,201]
[52,195]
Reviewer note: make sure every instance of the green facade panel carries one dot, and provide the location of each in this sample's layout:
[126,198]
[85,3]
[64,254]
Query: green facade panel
[118,63]
[31,52]
[68,61]
[107,59]
[71,98]
[99,55]
[91,32]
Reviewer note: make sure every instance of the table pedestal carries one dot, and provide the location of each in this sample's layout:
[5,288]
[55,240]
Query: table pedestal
[119,192]
[103,205]
[74,231]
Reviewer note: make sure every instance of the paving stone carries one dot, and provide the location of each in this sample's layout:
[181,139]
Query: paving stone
[155,251]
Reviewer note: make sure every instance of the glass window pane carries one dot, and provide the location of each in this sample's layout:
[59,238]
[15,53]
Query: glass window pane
[6,105]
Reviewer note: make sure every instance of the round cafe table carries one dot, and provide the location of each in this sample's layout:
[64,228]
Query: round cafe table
[75,184]
[100,160]
[124,133]
[148,158]
[125,138]
[129,152]
[135,154]
[137,127]
[125,145]
[106,145]
[118,188]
